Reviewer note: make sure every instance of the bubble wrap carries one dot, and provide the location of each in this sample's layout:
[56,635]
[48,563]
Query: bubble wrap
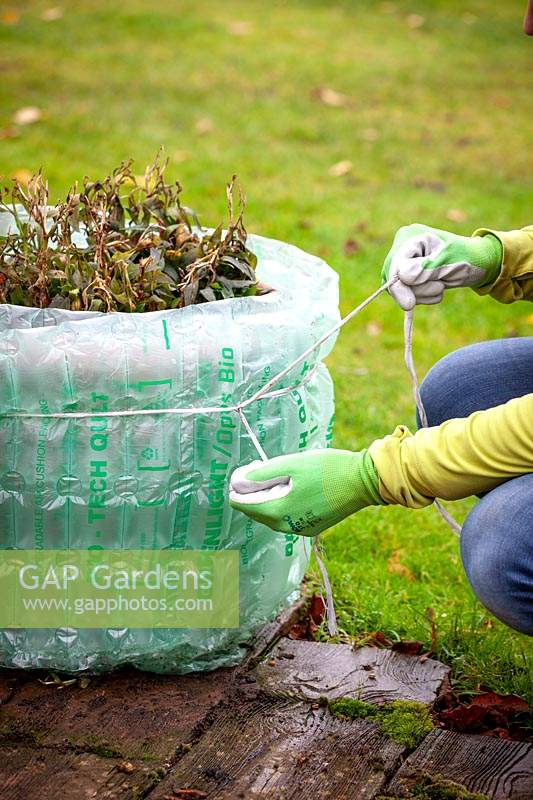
[153,481]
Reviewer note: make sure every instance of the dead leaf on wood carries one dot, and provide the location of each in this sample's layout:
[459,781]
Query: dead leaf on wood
[186,794]
[329,96]
[52,14]
[350,247]
[340,168]
[408,647]
[27,115]
[394,565]
[456,215]
[489,713]
[10,16]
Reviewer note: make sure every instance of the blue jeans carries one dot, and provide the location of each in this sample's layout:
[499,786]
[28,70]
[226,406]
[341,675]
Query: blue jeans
[497,536]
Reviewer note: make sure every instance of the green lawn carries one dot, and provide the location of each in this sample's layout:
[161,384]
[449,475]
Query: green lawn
[434,114]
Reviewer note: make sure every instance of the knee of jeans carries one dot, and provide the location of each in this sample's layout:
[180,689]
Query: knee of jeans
[438,388]
[497,561]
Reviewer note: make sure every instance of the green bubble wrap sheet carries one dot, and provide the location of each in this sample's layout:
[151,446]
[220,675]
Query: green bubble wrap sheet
[160,481]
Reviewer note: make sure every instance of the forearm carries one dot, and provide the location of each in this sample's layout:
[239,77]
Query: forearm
[515,280]
[457,459]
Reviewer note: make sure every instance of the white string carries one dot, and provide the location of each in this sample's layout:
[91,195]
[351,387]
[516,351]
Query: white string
[408,355]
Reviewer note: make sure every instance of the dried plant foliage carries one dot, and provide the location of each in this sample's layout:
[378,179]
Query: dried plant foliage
[143,250]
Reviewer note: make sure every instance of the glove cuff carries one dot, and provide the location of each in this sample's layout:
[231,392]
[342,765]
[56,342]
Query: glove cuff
[486,251]
[352,483]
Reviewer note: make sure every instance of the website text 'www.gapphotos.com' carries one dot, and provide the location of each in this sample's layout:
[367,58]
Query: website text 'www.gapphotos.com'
[110,605]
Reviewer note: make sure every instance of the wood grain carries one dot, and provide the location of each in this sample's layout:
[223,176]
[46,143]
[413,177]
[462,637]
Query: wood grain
[312,670]
[499,769]
[278,749]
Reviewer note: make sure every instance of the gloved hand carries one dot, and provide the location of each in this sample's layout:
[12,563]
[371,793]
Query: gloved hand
[428,261]
[305,492]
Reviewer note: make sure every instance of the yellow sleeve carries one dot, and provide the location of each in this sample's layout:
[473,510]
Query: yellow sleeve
[457,459]
[515,281]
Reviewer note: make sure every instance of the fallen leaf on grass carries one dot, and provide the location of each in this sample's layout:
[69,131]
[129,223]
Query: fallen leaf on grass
[27,115]
[203,126]
[433,186]
[394,565]
[415,21]
[8,133]
[22,176]
[469,18]
[340,168]
[10,16]
[329,96]
[350,247]
[456,215]
[52,14]
[374,329]
[239,28]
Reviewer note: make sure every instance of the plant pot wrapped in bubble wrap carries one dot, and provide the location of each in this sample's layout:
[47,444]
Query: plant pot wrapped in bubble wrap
[163,478]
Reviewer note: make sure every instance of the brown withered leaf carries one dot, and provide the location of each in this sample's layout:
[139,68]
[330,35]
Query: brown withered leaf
[52,14]
[415,21]
[239,27]
[340,168]
[350,247]
[408,647]
[456,215]
[489,713]
[394,565]
[204,125]
[329,97]
[9,16]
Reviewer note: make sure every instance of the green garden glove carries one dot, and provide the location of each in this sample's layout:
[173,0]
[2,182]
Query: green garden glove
[305,492]
[428,261]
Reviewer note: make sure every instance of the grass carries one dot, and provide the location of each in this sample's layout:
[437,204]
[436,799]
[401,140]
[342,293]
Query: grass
[437,122]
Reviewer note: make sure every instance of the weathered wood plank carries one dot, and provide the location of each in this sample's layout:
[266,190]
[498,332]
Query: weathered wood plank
[130,714]
[312,670]
[50,774]
[499,769]
[275,748]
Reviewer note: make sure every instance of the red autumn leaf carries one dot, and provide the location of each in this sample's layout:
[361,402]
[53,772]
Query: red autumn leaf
[506,704]
[463,718]
[408,648]
[317,609]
